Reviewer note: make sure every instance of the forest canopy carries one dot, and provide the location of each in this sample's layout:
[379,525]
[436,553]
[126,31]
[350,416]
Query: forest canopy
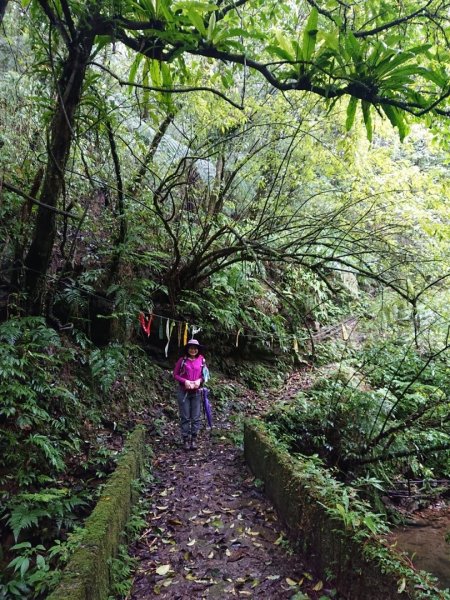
[275,173]
[89,75]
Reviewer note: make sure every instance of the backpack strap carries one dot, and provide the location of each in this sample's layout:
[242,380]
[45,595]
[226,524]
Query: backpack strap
[182,366]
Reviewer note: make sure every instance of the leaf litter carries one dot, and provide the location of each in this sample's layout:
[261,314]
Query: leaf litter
[215,535]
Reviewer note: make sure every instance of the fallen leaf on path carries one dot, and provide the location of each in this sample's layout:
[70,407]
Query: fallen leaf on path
[191,542]
[217,523]
[163,569]
[291,582]
[318,586]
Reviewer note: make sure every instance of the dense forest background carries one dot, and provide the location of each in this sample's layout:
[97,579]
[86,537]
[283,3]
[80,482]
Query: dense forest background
[268,172]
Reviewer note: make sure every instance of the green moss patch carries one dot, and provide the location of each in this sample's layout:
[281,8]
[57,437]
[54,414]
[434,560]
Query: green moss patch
[87,577]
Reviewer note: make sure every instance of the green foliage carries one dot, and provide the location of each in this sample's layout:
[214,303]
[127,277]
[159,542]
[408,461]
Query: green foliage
[49,439]
[46,514]
[258,376]
[334,350]
[122,569]
[107,365]
[355,520]
[381,413]
[36,406]
[36,570]
[224,395]
[30,569]
[392,364]
[54,504]
[236,301]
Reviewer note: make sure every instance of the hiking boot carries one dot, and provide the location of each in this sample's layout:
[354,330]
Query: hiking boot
[193,444]
[186,445]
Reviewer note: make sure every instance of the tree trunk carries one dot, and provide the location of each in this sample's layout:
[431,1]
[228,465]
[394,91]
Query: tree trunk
[3,5]
[159,134]
[39,254]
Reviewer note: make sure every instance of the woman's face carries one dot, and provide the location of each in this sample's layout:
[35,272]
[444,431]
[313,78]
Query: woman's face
[192,351]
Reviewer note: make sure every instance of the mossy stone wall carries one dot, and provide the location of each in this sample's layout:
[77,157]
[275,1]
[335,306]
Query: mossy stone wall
[322,537]
[86,576]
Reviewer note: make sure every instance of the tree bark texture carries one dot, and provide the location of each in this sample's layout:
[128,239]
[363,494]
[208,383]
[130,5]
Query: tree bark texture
[69,92]
[3,5]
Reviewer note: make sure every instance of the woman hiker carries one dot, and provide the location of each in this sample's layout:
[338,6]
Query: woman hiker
[189,373]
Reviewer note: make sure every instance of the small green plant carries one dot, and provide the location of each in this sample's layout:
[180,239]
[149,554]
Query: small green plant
[285,543]
[107,365]
[223,395]
[254,375]
[53,506]
[31,572]
[121,571]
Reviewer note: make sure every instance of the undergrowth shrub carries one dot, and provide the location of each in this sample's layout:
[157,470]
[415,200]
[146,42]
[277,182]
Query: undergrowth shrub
[58,440]
[384,412]
[37,412]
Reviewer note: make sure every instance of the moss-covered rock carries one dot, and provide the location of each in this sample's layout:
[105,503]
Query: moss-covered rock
[86,576]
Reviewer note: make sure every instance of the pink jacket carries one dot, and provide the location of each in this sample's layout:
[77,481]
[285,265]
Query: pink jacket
[188,369]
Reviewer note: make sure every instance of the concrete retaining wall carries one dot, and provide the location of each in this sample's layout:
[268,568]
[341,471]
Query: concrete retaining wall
[86,576]
[325,539]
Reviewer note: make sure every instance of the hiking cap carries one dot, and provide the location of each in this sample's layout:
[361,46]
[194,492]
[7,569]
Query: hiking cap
[195,344]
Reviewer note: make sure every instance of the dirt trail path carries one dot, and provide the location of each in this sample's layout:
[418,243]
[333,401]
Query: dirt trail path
[211,532]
